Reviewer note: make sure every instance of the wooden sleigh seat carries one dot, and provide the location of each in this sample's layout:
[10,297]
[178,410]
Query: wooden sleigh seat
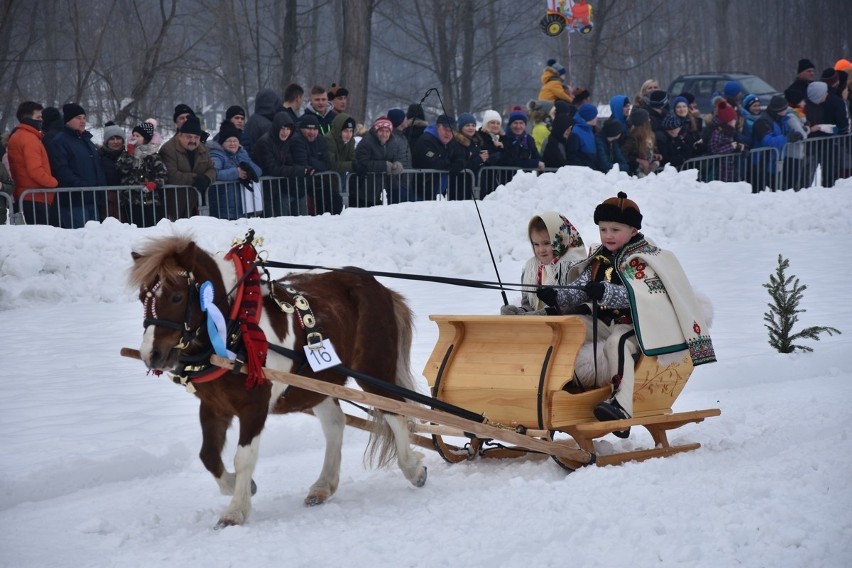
[513,369]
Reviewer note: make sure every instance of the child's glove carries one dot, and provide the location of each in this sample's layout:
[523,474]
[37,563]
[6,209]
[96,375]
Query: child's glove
[547,295]
[201,182]
[150,185]
[794,136]
[595,290]
[511,310]
[246,167]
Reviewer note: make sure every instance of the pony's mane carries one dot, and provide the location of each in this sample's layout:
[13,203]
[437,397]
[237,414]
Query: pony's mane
[158,260]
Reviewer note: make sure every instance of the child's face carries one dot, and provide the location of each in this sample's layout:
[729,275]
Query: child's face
[542,247]
[615,235]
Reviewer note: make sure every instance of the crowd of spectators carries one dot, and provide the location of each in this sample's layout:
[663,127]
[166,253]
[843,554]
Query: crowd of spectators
[295,139]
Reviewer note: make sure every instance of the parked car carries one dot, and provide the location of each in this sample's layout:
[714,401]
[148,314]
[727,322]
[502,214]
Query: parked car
[703,85]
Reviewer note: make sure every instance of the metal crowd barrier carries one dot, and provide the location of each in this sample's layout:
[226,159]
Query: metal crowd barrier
[816,161]
[7,208]
[369,189]
[73,207]
[305,195]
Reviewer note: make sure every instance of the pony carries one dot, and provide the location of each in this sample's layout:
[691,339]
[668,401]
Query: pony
[369,327]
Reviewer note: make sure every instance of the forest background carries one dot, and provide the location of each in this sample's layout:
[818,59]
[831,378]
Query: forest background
[127,60]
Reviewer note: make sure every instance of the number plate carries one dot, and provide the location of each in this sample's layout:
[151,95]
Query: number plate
[321,356]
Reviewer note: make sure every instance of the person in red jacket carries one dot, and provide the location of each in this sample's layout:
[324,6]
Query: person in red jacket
[30,166]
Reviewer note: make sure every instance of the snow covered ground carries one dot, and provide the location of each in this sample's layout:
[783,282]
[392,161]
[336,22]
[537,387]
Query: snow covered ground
[99,461]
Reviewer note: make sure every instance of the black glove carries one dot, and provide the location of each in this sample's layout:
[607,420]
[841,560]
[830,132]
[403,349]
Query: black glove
[246,167]
[794,136]
[547,295]
[595,290]
[200,182]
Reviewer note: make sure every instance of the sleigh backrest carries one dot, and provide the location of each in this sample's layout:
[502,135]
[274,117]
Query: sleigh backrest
[513,369]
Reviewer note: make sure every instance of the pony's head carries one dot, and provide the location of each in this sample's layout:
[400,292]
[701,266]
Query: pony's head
[165,272]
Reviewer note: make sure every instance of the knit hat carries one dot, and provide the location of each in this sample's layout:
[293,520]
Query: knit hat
[555,65]
[671,121]
[466,118]
[517,115]
[228,130]
[619,210]
[444,120]
[829,77]
[777,104]
[679,99]
[638,116]
[794,96]
[192,126]
[415,111]
[749,100]
[396,116]
[182,109]
[490,115]
[308,120]
[816,91]
[234,110]
[348,123]
[113,130]
[145,130]
[611,128]
[588,112]
[382,122]
[843,65]
[580,95]
[732,89]
[726,112]
[804,65]
[50,115]
[658,99]
[336,91]
[70,110]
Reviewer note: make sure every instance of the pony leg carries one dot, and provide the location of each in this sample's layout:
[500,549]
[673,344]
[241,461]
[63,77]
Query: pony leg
[409,461]
[240,505]
[213,434]
[333,423]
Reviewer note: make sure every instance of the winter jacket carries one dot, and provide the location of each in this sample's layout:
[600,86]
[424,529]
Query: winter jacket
[673,150]
[325,119]
[29,164]
[371,162]
[609,154]
[182,167]
[616,107]
[225,201]
[341,156]
[430,153]
[585,132]
[274,155]
[266,104]
[311,154]
[109,163]
[722,140]
[540,132]
[145,165]
[552,88]
[74,160]
[520,152]
[471,148]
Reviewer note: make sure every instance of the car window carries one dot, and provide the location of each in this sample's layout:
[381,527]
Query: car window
[676,88]
[703,88]
[757,86]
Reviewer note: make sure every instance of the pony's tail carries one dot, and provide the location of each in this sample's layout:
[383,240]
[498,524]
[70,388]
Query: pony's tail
[381,448]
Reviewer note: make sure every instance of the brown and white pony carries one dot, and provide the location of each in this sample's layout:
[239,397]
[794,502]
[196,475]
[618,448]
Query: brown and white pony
[369,326]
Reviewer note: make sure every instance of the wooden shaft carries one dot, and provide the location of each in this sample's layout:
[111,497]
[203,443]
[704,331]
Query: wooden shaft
[581,457]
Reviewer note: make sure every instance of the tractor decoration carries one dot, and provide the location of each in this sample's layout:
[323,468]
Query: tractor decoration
[574,16]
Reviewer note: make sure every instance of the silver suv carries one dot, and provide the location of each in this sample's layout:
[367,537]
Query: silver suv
[703,85]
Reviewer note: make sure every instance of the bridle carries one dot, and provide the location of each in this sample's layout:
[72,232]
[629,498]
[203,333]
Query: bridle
[149,305]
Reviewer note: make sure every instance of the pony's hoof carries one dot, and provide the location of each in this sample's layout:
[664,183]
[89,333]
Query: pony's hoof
[224,523]
[314,499]
[253,487]
[420,480]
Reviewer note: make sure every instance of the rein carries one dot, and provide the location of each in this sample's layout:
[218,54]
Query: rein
[483,284]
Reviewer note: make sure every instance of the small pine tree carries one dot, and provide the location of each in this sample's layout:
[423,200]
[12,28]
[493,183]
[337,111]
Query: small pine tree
[782,312]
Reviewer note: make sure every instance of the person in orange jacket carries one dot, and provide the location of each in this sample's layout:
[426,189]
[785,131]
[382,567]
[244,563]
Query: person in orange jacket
[552,88]
[30,166]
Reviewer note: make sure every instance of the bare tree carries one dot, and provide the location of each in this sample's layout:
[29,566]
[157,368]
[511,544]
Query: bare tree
[355,53]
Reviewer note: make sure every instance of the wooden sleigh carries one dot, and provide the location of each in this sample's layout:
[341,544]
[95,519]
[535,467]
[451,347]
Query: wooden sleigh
[513,371]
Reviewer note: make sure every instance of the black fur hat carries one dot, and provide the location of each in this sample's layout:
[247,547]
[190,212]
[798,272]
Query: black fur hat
[619,210]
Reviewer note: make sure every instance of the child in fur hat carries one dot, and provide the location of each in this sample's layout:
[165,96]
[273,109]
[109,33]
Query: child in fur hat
[646,302]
